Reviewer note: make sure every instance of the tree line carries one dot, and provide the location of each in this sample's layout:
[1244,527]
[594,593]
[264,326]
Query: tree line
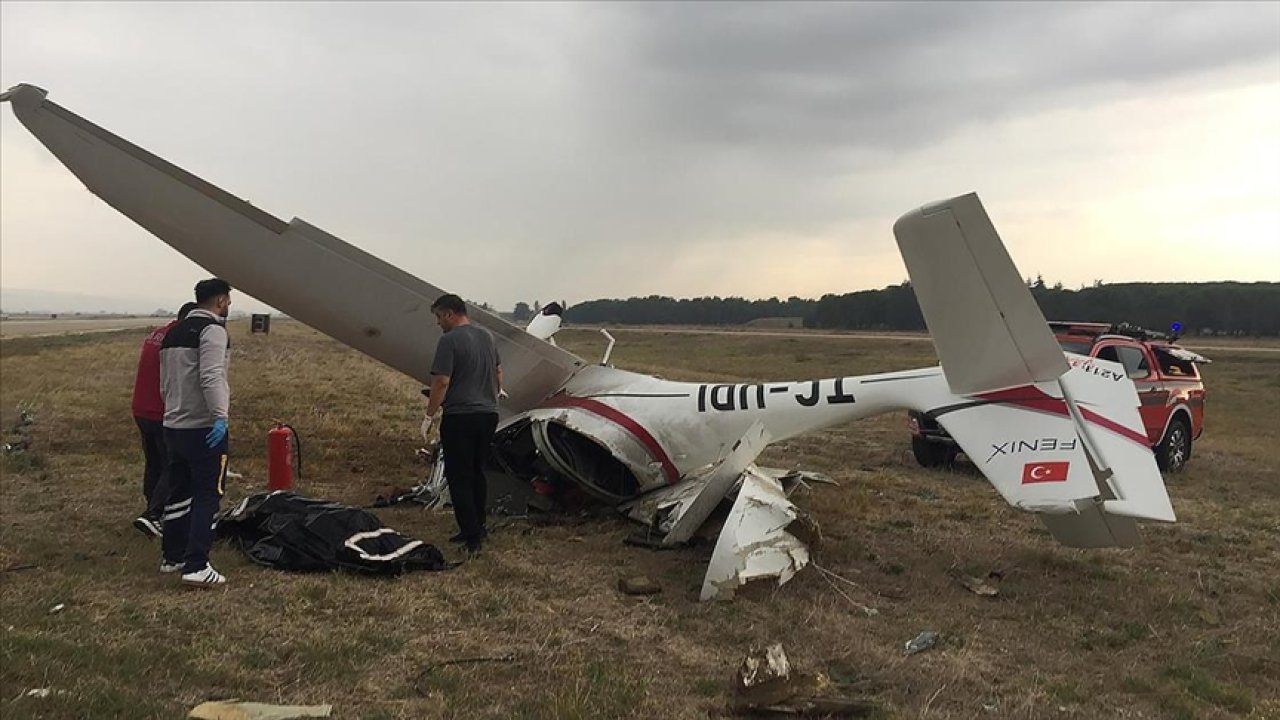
[1215,307]
[661,310]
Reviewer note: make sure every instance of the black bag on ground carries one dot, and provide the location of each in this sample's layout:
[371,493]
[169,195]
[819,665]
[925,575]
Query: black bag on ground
[286,531]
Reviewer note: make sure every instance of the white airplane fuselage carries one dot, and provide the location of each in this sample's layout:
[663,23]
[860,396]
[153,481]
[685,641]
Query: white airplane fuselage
[663,431]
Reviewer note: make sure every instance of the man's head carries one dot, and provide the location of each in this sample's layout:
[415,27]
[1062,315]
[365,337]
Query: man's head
[214,295]
[185,310]
[450,312]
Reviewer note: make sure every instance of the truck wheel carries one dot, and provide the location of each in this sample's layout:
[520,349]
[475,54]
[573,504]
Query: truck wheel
[932,454]
[1174,449]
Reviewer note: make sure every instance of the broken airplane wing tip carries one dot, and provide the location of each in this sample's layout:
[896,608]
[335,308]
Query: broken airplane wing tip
[24,94]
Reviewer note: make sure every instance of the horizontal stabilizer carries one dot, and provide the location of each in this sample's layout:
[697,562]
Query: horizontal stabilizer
[1073,451]
[986,326]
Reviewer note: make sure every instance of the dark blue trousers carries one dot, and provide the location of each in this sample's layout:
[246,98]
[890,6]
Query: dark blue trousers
[196,477]
[155,474]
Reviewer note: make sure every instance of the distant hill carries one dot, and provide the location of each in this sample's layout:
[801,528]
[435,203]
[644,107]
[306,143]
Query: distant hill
[46,302]
[19,300]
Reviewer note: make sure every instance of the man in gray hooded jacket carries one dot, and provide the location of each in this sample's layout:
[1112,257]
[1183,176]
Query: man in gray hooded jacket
[193,382]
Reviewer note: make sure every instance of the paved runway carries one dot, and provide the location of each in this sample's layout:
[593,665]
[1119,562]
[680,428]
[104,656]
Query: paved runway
[44,327]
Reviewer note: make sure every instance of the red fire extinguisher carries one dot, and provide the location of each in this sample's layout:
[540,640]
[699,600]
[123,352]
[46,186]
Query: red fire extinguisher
[283,446]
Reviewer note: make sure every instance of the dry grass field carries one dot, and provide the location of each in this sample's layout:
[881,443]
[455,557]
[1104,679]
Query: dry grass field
[1185,626]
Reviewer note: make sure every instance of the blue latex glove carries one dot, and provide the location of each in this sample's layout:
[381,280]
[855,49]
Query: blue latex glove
[217,434]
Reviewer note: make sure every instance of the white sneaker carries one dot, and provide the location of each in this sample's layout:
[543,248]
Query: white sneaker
[168,568]
[208,577]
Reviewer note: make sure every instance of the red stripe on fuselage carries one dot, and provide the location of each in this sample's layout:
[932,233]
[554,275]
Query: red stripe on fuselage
[1033,398]
[617,417]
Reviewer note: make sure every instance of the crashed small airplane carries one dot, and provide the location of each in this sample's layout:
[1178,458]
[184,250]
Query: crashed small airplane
[667,453]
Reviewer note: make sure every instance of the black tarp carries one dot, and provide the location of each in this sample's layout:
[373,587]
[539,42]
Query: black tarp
[287,531]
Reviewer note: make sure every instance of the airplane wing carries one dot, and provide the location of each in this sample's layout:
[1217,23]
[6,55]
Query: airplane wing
[295,267]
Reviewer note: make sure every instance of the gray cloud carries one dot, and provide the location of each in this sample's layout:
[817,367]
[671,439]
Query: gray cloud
[829,75]
[601,149]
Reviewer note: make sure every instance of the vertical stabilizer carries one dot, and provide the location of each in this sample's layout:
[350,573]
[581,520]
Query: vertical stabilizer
[988,330]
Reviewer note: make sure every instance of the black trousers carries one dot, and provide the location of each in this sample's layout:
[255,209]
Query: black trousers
[196,476]
[155,474]
[466,439]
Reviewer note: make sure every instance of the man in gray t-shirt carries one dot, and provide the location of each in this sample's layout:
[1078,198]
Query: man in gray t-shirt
[466,379]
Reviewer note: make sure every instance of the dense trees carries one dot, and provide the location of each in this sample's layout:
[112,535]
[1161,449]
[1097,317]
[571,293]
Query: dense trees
[659,310]
[1231,307]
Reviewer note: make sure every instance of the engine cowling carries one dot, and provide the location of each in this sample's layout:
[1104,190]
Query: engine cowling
[605,460]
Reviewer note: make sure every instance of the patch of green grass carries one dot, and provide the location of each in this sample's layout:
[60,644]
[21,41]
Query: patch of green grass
[1067,693]
[709,687]
[601,690]
[325,659]
[1136,685]
[24,463]
[18,347]
[1176,707]
[891,568]
[1200,685]
[90,700]
[1098,568]
[1116,637]
[445,680]
[98,681]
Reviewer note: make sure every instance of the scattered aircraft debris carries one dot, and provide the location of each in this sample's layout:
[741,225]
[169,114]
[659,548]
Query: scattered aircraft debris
[975,585]
[236,710]
[638,585]
[20,436]
[754,542]
[924,641]
[43,692]
[766,684]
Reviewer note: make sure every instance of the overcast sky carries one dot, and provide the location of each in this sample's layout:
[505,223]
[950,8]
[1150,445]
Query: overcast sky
[514,152]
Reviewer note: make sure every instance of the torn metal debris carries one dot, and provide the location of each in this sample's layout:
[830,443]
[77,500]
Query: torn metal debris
[767,684]
[234,710]
[638,585]
[977,586]
[755,542]
[924,641]
[20,436]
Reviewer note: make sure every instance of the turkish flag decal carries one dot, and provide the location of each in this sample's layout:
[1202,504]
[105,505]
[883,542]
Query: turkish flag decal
[1044,472]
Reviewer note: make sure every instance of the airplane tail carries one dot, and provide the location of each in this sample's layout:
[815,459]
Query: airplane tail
[1063,439]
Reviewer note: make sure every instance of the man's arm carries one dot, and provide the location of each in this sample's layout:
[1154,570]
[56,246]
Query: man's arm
[213,370]
[498,374]
[439,387]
